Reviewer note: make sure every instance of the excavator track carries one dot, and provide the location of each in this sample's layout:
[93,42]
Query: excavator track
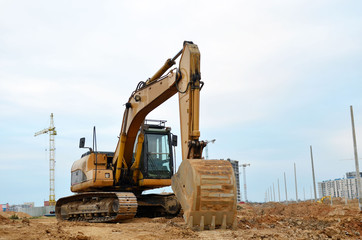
[97,207]
[158,205]
[206,190]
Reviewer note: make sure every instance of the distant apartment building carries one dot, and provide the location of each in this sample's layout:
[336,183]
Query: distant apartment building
[340,187]
[4,207]
[21,207]
[235,165]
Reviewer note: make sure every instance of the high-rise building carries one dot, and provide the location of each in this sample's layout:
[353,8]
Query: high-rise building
[340,187]
[235,165]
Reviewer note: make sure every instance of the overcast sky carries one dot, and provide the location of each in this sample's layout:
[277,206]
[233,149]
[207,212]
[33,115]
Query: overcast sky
[279,76]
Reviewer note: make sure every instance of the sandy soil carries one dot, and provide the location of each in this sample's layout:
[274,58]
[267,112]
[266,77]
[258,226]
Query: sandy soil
[303,220]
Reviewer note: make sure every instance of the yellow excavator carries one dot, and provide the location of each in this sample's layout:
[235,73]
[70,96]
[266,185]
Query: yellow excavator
[109,185]
[324,198]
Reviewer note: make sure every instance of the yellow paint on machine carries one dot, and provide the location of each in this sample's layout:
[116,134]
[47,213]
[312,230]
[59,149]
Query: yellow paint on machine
[155,182]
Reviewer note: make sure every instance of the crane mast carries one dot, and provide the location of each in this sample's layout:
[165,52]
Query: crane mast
[244,165]
[52,132]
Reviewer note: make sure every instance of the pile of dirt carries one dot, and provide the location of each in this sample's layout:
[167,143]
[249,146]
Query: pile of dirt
[307,219]
[20,215]
[4,220]
[302,209]
[303,220]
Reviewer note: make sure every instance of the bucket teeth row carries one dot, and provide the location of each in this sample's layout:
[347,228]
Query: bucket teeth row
[212,225]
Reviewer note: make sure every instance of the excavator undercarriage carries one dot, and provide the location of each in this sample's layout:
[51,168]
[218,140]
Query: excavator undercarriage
[98,207]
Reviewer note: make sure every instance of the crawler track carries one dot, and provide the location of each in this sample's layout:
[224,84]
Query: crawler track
[97,207]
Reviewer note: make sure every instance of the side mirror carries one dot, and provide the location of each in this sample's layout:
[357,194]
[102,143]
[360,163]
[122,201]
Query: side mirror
[82,142]
[174,140]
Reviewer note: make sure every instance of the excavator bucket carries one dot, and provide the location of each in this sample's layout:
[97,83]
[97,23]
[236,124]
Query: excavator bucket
[206,190]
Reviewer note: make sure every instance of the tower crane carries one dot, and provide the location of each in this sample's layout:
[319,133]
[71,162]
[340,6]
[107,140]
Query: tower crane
[207,148]
[244,165]
[52,132]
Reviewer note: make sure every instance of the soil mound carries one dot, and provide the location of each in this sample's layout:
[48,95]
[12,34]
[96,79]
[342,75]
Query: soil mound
[303,220]
[20,215]
[4,220]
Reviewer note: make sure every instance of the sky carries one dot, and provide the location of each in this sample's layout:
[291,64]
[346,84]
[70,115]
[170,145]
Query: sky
[279,77]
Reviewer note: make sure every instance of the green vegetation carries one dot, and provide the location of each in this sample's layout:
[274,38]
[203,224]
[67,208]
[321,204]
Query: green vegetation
[14,216]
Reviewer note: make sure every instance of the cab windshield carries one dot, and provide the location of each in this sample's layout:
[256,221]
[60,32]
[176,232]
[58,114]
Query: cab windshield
[158,156]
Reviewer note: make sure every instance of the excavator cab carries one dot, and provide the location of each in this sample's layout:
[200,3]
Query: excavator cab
[157,155]
[153,159]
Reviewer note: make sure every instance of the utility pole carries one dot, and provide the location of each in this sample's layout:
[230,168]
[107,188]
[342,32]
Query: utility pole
[358,177]
[296,188]
[52,133]
[270,194]
[315,189]
[273,193]
[345,187]
[304,192]
[278,190]
[286,194]
[244,176]
[207,148]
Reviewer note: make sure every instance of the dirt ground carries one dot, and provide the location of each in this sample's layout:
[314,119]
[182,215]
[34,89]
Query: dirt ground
[302,220]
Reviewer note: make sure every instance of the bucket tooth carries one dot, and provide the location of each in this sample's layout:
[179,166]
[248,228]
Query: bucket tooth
[212,225]
[235,224]
[202,223]
[223,225]
[191,221]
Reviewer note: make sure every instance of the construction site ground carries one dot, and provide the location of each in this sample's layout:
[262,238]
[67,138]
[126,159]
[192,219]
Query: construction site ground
[304,220]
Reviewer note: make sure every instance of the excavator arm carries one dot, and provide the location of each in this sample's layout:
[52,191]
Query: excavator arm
[205,189]
[154,92]
[142,101]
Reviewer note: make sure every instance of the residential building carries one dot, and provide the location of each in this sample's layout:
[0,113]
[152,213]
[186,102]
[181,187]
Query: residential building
[340,187]
[235,165]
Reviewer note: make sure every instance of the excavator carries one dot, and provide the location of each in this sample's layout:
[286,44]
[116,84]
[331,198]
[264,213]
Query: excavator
[109,186]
